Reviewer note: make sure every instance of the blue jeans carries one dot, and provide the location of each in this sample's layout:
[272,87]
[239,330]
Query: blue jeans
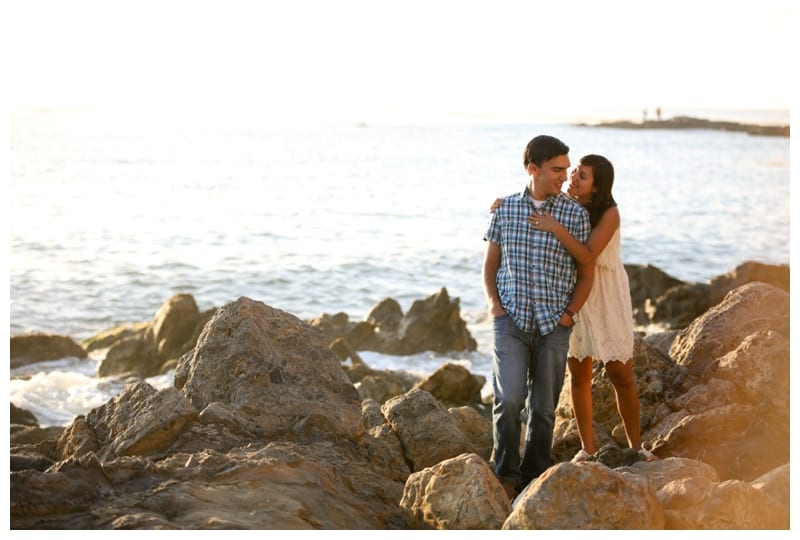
[527,371]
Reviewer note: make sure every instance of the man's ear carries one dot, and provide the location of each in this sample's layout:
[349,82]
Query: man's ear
[533,169]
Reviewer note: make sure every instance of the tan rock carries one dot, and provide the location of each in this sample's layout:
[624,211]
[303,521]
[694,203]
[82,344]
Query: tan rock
[456,494]
[428,434]
[586,496]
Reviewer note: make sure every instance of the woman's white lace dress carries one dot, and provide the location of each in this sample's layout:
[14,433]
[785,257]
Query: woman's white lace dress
[604,329]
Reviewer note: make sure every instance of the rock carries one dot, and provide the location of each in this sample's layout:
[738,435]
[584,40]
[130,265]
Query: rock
[460,493]
[679,305]
[661,472]
[476,427]
[386,315]
[647,282]
[22,416]
[776,275]
[279,443]
[453,385]
[148,349]
[31,348]
[428,434]
[733,504]
[432,324]
[385,384]
[776,484]
[270,366]
[744,311]
[586,496]
[109,337]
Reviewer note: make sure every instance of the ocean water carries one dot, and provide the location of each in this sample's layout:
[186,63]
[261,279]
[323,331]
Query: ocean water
[112,215]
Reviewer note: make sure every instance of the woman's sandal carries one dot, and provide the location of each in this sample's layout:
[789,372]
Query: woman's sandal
[647,455]
[582,455]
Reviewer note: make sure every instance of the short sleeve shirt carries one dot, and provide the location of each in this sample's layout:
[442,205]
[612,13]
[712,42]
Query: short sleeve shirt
[537,274]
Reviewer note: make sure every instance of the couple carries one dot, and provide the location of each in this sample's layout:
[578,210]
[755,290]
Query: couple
[549,255]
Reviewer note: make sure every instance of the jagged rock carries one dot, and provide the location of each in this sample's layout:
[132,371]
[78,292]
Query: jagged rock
[148,349]
[733,504]
[385,384]
[776,275]
[663,471]
[386,315]
[744,311]
[776,484]
[679,305]
[38,347]
[586,496]
[139,421]
[459,493]
[432,324]
[22,416]
[476,427]
[272,367]
[109,337]
[738,421]
[647,282]
[453,385]
[428,434]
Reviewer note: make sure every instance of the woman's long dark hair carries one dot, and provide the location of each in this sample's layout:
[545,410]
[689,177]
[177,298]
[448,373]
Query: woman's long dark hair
[602,200]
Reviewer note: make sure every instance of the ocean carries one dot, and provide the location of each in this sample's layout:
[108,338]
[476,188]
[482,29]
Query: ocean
[111,215]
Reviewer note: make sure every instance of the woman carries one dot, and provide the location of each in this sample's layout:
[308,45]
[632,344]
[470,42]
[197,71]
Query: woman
[604,329]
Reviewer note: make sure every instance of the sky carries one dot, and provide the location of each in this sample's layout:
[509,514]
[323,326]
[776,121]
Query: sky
[313,60]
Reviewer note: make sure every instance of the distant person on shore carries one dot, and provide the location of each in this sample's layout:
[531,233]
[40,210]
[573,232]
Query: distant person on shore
[533,289]
[658,113]
[604,331]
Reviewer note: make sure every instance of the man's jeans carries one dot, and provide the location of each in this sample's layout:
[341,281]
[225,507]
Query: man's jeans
[528,371]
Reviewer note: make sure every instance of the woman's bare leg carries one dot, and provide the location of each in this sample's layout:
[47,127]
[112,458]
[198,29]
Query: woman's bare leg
[622,378]
[580,378]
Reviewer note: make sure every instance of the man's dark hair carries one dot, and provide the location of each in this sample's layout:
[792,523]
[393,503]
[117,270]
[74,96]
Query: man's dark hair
[543,148]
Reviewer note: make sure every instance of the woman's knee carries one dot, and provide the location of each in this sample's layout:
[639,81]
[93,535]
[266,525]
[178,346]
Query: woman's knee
[580,372]
[621,374]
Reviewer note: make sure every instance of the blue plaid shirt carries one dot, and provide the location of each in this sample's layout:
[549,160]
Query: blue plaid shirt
[536,275]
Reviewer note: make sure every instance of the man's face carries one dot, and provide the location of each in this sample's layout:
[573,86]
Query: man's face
[549,178]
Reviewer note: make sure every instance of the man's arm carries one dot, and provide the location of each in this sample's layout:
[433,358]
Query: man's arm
[491,265]
[583,286]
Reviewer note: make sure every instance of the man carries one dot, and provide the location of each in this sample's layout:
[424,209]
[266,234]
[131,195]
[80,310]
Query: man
[534,289]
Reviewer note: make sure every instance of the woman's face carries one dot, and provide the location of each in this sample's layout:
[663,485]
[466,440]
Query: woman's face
[581,183]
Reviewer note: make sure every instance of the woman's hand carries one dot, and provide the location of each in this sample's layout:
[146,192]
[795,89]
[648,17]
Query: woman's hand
[495,205]
[543,222]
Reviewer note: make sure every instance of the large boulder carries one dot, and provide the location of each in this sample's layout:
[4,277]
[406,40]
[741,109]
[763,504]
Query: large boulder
[586,496]
[453,385]
[459,493]
[744,311]
[273,368]
[425,429]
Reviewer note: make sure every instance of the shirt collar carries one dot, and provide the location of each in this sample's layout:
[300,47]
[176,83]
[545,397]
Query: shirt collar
[550,200]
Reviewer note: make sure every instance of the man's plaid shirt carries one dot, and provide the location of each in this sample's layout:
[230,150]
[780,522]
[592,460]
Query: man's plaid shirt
[536,275]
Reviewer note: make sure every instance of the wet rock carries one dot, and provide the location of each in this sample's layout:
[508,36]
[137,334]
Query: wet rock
[39,347]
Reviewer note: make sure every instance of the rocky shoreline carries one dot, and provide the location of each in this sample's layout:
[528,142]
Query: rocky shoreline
[688,122]
[276,423]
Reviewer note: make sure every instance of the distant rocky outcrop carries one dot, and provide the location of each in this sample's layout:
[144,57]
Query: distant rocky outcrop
[688,122]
